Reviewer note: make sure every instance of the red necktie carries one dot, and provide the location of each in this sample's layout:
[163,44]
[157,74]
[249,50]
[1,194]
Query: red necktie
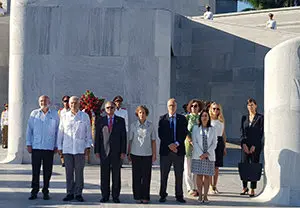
[110,125]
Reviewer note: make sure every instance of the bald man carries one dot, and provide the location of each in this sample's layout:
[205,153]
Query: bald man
[41,138]
[172,130]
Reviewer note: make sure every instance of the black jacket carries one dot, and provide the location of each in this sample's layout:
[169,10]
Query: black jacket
[165,134]
[252,135]
[117,138]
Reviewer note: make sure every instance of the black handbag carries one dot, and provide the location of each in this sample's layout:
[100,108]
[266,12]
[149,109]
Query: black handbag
[250,171]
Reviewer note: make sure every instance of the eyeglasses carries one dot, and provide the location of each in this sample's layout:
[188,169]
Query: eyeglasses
[204,116]
[194,106]
[216,109]
[66,101]
[110,107]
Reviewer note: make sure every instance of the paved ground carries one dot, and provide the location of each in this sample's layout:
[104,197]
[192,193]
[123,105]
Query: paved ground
[15,188]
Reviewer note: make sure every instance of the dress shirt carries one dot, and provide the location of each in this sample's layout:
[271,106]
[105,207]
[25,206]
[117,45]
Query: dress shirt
[208,15]
[108,119]
[174,120]
[64,111]
[271,24]
[122,112]
[4,118]
[75,133]
[42,129]
[141,137]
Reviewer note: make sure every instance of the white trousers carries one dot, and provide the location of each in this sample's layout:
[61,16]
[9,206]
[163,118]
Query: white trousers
[189,177]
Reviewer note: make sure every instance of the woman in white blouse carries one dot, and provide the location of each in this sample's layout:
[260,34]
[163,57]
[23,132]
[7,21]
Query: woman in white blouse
[142,153]
[203,158]
[217,121]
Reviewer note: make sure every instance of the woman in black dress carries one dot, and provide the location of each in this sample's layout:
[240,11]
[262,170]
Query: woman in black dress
[252,131]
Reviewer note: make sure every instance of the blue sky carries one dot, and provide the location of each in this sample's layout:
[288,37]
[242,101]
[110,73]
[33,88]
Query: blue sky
[243,5]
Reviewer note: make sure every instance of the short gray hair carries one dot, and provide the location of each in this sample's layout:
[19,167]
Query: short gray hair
[74,98]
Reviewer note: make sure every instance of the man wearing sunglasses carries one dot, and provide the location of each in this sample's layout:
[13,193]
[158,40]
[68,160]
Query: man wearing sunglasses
[110,147]
[65,101]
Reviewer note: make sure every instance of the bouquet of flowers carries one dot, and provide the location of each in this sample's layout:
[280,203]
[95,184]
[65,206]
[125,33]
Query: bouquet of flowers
[91,104]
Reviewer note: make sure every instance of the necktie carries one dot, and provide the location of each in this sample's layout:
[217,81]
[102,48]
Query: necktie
[172,128]
[110,125]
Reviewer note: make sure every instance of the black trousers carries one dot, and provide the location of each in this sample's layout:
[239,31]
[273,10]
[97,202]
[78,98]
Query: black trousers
[37,157]
[112,163]
[253,158]
[141,176]
[165,165]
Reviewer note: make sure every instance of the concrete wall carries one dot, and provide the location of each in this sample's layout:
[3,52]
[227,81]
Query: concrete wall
[220,62]
[4,47]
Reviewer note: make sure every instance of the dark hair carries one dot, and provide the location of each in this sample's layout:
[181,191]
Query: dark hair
[271,15]
[251,100]
[66,96]
[118,98]
[200,105]
[200,122]
[141,107]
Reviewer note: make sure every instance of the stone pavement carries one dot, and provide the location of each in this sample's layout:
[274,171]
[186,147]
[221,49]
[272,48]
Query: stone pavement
[15,188]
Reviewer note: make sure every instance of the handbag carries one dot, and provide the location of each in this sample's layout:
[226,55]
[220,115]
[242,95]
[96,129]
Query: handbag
[250,171]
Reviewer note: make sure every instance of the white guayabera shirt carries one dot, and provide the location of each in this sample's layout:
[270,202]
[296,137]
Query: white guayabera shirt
[74,133]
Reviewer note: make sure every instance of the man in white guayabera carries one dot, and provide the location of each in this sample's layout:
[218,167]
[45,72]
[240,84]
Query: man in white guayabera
[74,139]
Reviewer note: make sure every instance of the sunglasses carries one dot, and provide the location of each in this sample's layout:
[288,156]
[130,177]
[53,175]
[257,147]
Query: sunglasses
[66,101]
[194,106]
[110,107]
[216,109]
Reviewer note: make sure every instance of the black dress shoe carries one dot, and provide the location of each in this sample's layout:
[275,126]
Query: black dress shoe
[69,197]
[79,198]
[181,200]
[46,197]
[103,200]
[162,199]
[116,200]
[32,197]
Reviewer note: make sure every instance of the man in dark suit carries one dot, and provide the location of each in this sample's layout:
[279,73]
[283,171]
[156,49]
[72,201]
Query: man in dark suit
[110,147]
[172,131]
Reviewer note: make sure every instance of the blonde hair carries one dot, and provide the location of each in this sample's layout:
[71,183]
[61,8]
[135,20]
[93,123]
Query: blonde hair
[220,116]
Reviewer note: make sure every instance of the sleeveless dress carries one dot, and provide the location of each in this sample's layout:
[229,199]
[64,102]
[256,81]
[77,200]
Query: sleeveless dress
[203,167]
[219,151]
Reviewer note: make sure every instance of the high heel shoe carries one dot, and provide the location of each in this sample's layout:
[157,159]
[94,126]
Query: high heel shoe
[252,193]
[245,191]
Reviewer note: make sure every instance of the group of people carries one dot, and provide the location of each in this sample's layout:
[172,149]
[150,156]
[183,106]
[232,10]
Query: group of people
[193,144]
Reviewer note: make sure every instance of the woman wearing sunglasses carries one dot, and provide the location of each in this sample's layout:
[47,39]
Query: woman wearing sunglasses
[193,108]
[217,121]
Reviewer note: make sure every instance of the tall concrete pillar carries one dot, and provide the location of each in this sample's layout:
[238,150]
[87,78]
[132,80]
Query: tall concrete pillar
[282,124]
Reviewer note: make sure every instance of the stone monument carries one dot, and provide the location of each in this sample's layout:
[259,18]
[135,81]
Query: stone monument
[282,121]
